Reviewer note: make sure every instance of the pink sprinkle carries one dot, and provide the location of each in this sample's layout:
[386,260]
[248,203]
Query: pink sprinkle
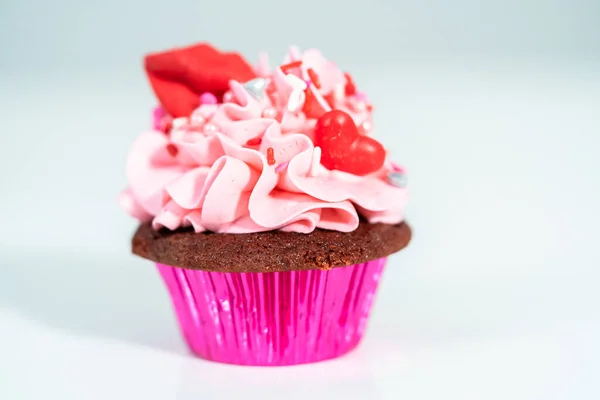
[361,96]
[281,167]
[396,167]
[159,112]
[208,98]
[157,116]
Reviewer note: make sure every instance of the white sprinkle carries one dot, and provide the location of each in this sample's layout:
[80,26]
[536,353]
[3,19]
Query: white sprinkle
[316,160]
[295,82]
[339,92]
[296,100]
[397,179]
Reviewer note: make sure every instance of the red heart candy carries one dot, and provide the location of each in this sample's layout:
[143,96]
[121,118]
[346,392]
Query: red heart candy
[344,148]
[180,76]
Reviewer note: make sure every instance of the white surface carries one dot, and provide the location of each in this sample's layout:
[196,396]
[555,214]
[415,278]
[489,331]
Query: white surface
[496,297]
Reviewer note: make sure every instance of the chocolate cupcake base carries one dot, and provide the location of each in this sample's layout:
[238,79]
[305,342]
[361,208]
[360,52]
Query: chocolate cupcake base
[272,251]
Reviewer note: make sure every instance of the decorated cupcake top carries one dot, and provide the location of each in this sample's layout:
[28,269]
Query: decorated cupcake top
[237,149]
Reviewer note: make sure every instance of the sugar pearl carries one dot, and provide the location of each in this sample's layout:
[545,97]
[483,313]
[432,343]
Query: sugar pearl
[197,119]
[227,97]
[358,106]
[210,128]
[208,98]
[269,113]
[367,127]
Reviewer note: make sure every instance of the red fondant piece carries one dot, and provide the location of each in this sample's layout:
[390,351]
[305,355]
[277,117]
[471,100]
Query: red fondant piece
[344,148]
[178,77]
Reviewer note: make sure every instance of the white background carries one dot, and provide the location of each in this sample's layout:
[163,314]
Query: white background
[493,107]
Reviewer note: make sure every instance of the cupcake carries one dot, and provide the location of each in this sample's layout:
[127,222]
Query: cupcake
[265,203]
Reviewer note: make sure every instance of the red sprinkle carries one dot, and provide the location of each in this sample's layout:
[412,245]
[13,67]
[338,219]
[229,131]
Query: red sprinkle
[310,104]
[166,125]
[270,156]
[172,149]
[314,78]
[369,107]
[254,141]
[350,88]
[330,99]
[294,64]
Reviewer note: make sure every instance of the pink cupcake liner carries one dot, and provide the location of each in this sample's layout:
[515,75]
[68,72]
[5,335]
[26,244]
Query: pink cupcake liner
[273,318]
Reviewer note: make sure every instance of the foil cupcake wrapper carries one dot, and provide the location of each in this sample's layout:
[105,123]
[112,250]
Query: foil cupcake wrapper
[273,318]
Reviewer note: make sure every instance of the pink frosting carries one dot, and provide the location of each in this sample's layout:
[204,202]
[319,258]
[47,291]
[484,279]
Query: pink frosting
[205,174]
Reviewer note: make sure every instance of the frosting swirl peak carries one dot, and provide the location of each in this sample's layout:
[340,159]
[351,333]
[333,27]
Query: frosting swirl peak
[248,163]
